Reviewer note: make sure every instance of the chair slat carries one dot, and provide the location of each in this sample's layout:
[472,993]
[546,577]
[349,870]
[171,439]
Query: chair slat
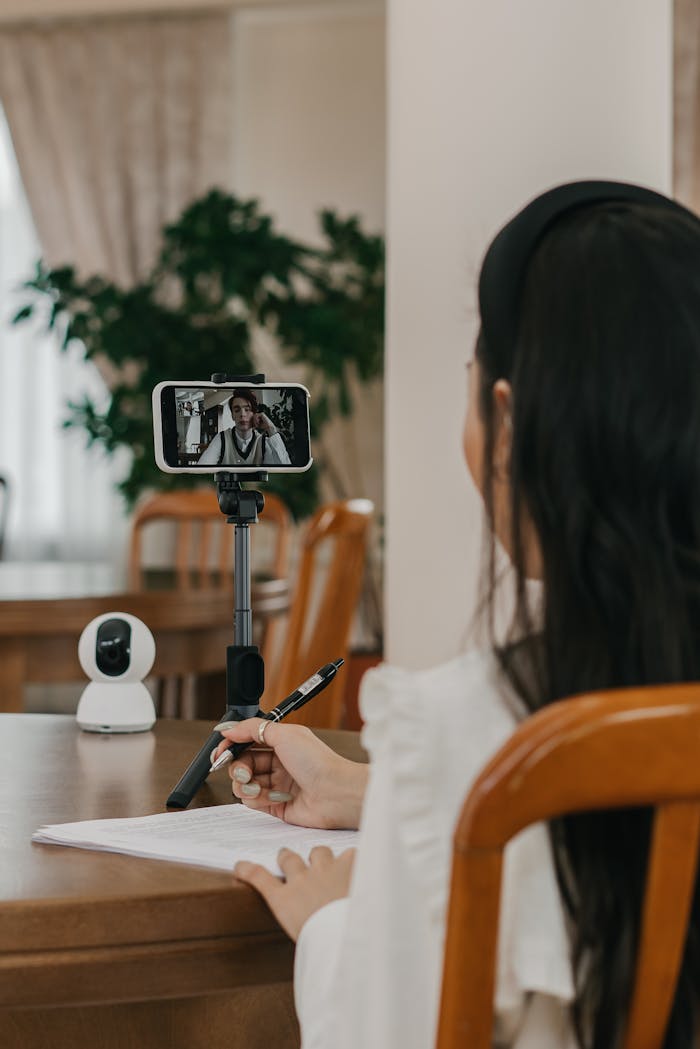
[225,561]
[466,1015]
[320,622]
[669,893]
[183,555]
[204,546]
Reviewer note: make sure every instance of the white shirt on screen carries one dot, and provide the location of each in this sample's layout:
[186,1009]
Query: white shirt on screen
[275,452]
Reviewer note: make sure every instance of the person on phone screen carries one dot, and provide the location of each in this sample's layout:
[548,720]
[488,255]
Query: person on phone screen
[253,440]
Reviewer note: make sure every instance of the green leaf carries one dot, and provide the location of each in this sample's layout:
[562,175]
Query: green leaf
[23,314]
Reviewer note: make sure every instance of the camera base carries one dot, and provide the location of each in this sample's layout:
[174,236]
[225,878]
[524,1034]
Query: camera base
[116,708]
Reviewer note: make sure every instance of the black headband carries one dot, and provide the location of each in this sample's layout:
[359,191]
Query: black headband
[505,264]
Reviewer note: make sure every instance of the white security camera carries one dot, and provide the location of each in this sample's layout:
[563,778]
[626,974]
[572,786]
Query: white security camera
[116,650]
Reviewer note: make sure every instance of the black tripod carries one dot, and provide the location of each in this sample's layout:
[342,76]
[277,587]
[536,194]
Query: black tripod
[245,670]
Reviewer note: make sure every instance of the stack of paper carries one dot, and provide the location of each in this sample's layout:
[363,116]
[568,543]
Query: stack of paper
[217,837]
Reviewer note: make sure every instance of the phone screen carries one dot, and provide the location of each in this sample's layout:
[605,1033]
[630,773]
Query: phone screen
[239,427]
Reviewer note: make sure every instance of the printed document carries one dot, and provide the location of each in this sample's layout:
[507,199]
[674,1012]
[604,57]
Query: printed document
[218,837]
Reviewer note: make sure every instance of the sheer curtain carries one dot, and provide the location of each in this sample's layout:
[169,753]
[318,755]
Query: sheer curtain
[117,124]
[63,502]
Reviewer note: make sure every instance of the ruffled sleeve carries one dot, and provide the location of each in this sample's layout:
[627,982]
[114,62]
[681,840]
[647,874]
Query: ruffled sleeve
[399,712]
[437,729]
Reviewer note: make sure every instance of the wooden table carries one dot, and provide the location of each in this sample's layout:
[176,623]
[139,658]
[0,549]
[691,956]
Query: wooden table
[108,951]
[44,608]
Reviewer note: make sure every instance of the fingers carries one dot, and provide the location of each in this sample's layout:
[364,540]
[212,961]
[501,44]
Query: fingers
[259,877]
[303,887]
[246,732]
[242,770]
[247,766]
[257,797]
[320,856]
[290,863]
[249,775]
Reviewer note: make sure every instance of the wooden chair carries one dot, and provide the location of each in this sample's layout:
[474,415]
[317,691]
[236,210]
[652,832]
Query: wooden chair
[203,539]
[203,559]
[323,605]
[629,747]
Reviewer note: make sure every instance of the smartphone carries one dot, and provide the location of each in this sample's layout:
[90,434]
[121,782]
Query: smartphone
[199,427]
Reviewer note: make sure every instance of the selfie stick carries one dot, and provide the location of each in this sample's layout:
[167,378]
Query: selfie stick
[245,670]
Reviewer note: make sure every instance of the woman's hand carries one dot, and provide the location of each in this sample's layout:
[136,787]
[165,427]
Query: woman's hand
[305,888]
[295,777]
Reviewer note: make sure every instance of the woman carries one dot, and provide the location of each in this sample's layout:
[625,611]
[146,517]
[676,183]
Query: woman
[583,435]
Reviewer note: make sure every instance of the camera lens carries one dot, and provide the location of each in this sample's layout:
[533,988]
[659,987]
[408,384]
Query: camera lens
[113,647]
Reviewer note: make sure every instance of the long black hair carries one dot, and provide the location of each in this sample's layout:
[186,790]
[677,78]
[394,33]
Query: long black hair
[605,465]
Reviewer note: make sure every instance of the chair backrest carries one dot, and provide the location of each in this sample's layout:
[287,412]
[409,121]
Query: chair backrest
[203,540]
[611,750]
[324,601]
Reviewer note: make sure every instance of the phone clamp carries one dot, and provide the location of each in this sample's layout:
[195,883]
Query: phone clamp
[221,378]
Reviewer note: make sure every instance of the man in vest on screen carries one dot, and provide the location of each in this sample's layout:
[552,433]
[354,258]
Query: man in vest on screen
[253,440]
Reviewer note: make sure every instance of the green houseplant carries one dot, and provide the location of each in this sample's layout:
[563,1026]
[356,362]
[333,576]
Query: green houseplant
[223,270]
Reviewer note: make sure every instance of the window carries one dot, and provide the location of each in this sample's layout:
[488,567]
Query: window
[63,502]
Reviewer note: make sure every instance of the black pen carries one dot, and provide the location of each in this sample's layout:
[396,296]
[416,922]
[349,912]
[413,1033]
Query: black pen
[301,695]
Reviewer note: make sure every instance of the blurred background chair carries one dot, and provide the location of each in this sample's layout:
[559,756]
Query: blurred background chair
[202,542]
[328,585]
[4,511]
[552,766]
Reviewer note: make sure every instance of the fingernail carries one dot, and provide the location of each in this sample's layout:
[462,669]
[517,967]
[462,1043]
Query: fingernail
[279,795]
[224,726]
[242,774]
[250,790]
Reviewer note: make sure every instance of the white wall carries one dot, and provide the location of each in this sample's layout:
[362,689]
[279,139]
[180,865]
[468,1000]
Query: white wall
[310,132]
[489,103]
[310,111]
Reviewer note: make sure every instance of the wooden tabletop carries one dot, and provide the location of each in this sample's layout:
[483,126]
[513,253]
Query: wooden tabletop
[88,928]
[44,608]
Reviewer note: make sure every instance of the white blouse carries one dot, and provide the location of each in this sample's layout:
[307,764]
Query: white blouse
[368,968]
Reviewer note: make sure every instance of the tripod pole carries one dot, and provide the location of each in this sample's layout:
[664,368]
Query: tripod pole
[242,613]
[245,671]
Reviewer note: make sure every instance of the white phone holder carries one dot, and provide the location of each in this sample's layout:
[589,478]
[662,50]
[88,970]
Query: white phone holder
[116,650]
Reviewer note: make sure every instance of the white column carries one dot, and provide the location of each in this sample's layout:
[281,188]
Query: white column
[489,103]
